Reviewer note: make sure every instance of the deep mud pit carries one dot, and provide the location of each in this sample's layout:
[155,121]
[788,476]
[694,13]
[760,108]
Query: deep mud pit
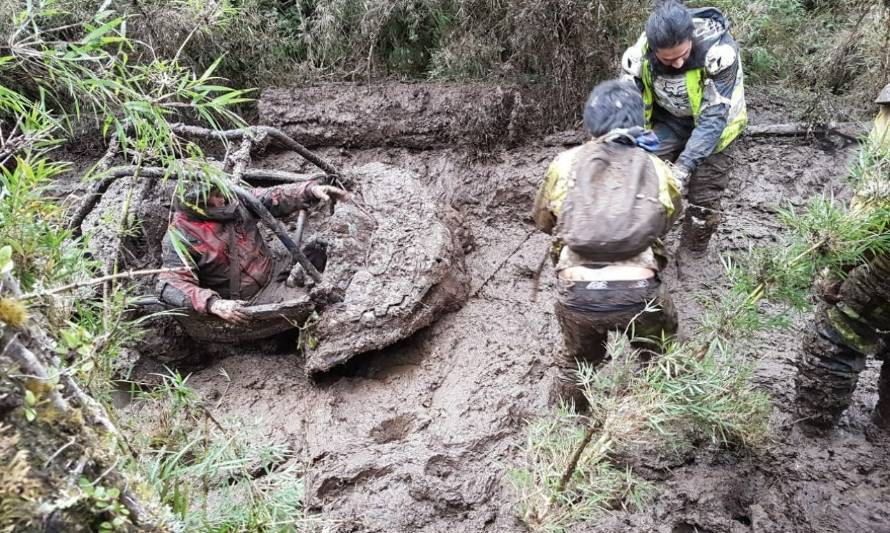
[419,436]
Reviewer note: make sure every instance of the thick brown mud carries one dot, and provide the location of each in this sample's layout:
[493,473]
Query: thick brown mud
[420,436]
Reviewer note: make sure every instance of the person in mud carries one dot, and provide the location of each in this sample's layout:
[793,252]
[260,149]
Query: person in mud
[229,263]
[852,319]
[687,66]
[596,296]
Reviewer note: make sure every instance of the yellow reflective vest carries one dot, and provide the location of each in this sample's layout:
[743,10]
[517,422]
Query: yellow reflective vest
[695,87]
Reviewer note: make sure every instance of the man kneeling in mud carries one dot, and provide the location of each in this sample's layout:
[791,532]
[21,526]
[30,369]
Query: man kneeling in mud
[229,263]
[613,200]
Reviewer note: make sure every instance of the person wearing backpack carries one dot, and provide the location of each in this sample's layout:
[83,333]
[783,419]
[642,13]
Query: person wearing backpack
[608,202]
[687,66]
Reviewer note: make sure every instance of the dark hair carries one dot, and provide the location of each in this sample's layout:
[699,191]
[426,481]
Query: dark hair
[669,25]
[611,105]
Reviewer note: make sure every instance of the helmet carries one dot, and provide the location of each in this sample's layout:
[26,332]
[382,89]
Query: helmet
[884,96]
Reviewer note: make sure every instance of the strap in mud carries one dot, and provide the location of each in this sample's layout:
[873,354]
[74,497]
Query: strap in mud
[234,265]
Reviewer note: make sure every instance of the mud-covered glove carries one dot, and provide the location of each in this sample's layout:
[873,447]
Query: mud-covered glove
[681,176]
[328,193]
[232,311]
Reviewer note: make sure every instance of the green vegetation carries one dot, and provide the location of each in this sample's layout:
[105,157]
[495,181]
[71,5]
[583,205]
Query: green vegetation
[68,70]
[696,395]
[214,477]
[815,48]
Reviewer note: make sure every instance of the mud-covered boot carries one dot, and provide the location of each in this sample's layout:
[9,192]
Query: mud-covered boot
[826,378]
[698,227]
[882,409]
[566,390]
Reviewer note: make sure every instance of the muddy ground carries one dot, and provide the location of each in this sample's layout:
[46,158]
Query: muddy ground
[419,436]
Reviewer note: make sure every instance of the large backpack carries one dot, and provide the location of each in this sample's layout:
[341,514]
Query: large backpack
[612,209]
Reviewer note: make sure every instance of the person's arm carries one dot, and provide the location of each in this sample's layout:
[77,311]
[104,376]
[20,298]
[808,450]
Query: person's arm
[722,66]
[284,200]
[181,288]
[670,189]
[551,194]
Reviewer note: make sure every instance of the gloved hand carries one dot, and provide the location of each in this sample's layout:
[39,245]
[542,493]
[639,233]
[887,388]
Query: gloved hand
[326,193]
[681,175]
[232,311]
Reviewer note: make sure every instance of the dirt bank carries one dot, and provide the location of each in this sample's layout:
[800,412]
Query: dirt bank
[410,115]
[418,437]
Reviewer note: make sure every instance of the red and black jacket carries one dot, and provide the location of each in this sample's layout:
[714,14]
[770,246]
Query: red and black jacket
[210,275]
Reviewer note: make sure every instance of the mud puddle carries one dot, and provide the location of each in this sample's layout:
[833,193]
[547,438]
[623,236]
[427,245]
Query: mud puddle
[420,436]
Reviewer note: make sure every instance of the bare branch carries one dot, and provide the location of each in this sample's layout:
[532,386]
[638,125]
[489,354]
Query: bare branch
[130,274]
[89,201]
[256,132]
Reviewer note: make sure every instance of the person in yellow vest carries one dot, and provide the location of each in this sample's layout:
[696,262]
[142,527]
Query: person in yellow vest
[628,205]
[687,67]
[852,319]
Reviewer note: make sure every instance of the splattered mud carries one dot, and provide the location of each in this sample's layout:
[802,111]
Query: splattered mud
[419,436]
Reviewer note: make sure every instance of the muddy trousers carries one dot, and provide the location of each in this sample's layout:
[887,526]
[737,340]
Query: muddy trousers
[837,343]
[587,315]
[705,187]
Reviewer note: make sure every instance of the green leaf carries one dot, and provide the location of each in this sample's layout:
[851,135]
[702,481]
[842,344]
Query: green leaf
[102,30]
[30,398]
[6,263]
[30,415]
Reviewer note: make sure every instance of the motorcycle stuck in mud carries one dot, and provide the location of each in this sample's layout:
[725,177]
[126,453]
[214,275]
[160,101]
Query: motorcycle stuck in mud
[360,277]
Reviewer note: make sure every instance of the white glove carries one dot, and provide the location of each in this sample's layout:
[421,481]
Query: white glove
[681,176]
[232,311]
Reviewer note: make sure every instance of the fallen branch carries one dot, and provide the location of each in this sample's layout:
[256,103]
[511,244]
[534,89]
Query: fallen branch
[849,130]
[253,204]
[130,274]
[92,198]
[576,456]
[97,189]
[256,132]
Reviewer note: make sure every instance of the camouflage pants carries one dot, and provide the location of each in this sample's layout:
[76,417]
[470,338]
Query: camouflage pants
[837,343]
[586,316]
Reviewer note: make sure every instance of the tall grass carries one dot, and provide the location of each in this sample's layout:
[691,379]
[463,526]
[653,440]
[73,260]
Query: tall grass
[689,397]
[213,475]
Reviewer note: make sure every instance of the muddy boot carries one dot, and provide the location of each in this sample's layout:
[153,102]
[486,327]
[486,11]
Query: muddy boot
[566,390]
[826,378]
[698,227]
[706,187]
[882,409]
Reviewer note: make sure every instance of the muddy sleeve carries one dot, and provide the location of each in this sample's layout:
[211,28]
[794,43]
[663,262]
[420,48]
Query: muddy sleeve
[284,200]
[181,289]
[714,115]
[542,212]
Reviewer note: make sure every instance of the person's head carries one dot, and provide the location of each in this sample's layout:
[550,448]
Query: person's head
[612,105]
[206,200]
[669,33]
[216,199]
